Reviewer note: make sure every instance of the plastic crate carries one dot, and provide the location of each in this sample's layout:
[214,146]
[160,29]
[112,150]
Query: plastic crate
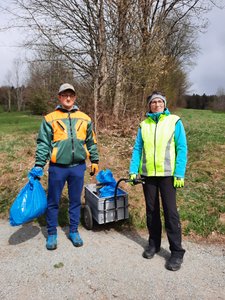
[103,209]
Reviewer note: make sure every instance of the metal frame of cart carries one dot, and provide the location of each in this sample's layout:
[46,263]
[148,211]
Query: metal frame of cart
[108,209]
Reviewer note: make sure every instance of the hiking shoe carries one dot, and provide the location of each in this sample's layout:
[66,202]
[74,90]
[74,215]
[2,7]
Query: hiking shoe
[174,263]
[51,242]
[76,239]
[150,251]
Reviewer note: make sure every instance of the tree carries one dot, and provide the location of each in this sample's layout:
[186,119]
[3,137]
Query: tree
[121,48]
[18,71]
[76,32]
[6,98]
[10,88]
[47,73]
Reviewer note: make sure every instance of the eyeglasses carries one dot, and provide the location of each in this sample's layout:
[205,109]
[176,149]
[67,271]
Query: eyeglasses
[160,102]
[65,96]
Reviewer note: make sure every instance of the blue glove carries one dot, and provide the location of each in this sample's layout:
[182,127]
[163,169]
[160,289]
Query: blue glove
[36,172]
[178,182]
[132,177]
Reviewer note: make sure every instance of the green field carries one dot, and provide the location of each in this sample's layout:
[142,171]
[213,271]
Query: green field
[201,203]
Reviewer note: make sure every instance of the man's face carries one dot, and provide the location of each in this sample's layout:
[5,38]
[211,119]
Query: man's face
[157,105]
[67,99]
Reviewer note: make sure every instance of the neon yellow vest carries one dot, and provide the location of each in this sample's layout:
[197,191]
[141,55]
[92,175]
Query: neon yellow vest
[158,155]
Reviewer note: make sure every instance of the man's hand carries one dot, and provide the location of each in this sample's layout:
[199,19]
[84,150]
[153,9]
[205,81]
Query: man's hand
[132,177]
[94,169]
[178,182]
[36,172]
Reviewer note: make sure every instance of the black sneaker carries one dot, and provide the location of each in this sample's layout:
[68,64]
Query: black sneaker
[150,252]
[174,263]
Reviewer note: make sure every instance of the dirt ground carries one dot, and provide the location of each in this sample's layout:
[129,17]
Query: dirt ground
[109,266]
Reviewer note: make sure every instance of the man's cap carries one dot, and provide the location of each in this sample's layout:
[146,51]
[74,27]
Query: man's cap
[154,96]
[66,86]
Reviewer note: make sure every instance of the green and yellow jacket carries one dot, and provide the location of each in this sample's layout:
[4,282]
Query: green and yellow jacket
[66,138]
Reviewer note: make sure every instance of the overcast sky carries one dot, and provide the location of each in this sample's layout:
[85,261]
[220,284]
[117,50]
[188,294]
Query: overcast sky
[207,76]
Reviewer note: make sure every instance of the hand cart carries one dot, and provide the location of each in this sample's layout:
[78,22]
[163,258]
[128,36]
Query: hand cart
[107,209]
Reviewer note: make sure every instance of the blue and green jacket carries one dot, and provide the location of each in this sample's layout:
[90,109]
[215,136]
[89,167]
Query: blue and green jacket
[155,151]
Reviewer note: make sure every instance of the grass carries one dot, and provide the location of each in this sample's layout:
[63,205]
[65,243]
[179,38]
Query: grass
[17,144]
[201,203]
[15,122]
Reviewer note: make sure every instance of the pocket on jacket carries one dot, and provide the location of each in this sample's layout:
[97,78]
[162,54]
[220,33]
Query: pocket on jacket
[81,129]
[59,131]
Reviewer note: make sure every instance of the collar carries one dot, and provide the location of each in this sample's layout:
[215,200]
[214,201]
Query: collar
[156,116]
[74,108]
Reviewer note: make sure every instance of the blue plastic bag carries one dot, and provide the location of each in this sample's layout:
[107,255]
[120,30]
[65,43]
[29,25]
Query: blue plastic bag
[107,191]
[105,177]
[30,203]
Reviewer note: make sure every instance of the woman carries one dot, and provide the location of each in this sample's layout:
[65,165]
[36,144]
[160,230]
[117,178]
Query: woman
[160,157]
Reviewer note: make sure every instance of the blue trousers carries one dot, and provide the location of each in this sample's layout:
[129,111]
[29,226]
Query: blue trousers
[58,176]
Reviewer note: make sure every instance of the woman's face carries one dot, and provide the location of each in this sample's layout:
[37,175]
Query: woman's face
[157,105]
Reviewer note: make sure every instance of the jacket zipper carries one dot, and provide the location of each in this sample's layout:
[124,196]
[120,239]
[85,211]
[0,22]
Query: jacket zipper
[155,148]
[71,134]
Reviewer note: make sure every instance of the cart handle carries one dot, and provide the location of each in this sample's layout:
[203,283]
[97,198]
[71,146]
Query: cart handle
[135,182]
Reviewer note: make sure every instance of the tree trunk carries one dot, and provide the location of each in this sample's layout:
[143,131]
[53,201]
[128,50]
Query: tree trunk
[9,100]
[122,47]
[103,55]
[96,96]
[118,100]
[19,98]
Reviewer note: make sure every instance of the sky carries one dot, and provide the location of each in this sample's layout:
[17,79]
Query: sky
[10,48]
[206,76]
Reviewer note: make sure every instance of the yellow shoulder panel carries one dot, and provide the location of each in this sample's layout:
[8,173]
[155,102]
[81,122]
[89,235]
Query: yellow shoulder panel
[80,115]
[55,115]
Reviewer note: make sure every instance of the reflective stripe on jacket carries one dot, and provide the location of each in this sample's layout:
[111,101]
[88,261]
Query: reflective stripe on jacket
[158,155]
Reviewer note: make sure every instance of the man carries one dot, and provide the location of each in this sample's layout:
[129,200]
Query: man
[66,138]
[160,157]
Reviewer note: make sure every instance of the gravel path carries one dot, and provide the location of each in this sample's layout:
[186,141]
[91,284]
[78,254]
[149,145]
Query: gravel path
[108,266]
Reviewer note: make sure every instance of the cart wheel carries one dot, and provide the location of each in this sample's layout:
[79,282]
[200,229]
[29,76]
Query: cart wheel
[88,221]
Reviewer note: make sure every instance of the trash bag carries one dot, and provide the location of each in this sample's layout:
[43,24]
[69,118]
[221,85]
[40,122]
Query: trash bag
[107,191]
[106,177]
[108,182]
[30,203]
